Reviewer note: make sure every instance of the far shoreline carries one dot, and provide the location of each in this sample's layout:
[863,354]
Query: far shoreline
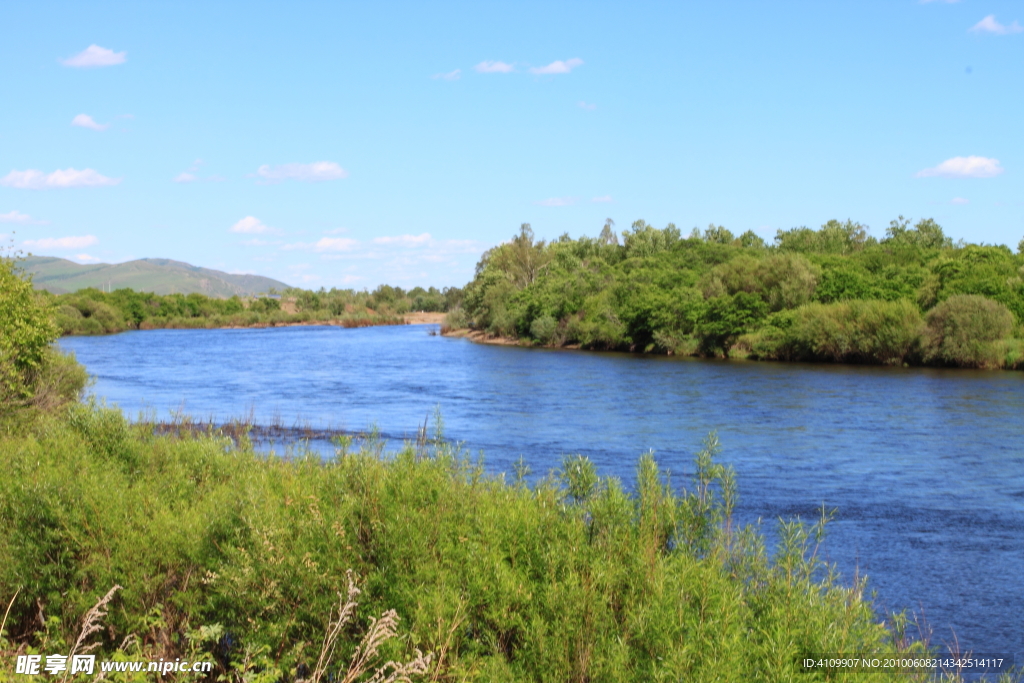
[414,318]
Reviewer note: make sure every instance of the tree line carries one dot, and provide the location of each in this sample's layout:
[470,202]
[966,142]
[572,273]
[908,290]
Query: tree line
[832,294]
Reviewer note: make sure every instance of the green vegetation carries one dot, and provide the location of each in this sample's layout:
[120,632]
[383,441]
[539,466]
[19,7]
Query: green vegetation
[135,545]
[34,376]
[233,557]
[91,311]
[833,294]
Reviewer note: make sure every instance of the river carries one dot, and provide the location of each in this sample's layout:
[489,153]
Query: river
[924,466]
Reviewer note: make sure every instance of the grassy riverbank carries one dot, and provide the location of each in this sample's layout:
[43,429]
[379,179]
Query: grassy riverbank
[233,557]
[834,294]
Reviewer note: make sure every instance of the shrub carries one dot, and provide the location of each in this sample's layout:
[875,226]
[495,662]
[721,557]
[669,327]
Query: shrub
[962,329]
[781,280]
[26,331]
[543,329]
[886,332]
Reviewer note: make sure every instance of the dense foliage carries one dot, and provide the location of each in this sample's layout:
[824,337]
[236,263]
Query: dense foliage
[833,294]
[91,311]
[33,375]
[233,557]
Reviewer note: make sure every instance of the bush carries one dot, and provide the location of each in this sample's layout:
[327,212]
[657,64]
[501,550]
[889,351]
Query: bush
[543,329]
[886,332]
[962,329]
[26,331]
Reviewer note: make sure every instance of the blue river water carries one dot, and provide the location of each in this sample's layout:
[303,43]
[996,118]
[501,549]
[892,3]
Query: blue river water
[925,467]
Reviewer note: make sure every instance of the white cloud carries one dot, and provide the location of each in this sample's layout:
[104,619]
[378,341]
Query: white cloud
[336,244]
[450,76]
[94,55]
[990,25]
[557,201]
[86,121]
[959,200]
[606,199]
[250,225]
[404,240]
[37,180]
[964,167]
[558,67]
[310,173]
[18,217]
[185,178]
[494,68]
[588,107]
[85,258]
[62,242]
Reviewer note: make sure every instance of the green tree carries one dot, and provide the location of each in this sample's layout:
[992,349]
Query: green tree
[26,332]
[926,234]
[726,318]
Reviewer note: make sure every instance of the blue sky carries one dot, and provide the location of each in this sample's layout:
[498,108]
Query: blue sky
[334,144]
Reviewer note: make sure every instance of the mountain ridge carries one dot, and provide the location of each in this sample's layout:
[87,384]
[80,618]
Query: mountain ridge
[157,275]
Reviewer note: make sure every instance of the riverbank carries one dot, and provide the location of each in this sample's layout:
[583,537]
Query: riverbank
[282,320]
[1005,354]
[230,553]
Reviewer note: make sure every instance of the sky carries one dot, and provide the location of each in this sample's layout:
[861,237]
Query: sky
[353,144]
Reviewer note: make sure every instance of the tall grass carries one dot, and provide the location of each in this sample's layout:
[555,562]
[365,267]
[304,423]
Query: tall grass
[229,555]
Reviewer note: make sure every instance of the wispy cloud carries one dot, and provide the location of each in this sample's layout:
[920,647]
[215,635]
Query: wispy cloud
[18,217]
[558,67]
[487,67]
[185,177]
[79,242]
[964,167]
[86,121]
[335,244]
[959,200]
[70,177]
[85,258]
[404,240]
[450,76]
[583,105]
[93,56]
[990,25]
[606,199]
[557,201]
[309,173]
[398,250]
[250,225]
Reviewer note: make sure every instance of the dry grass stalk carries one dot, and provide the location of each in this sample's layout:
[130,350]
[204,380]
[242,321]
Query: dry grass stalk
[346,608]
[380,631]
[91,624]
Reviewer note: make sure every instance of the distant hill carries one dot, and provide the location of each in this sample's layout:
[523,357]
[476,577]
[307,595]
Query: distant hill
[157,275]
